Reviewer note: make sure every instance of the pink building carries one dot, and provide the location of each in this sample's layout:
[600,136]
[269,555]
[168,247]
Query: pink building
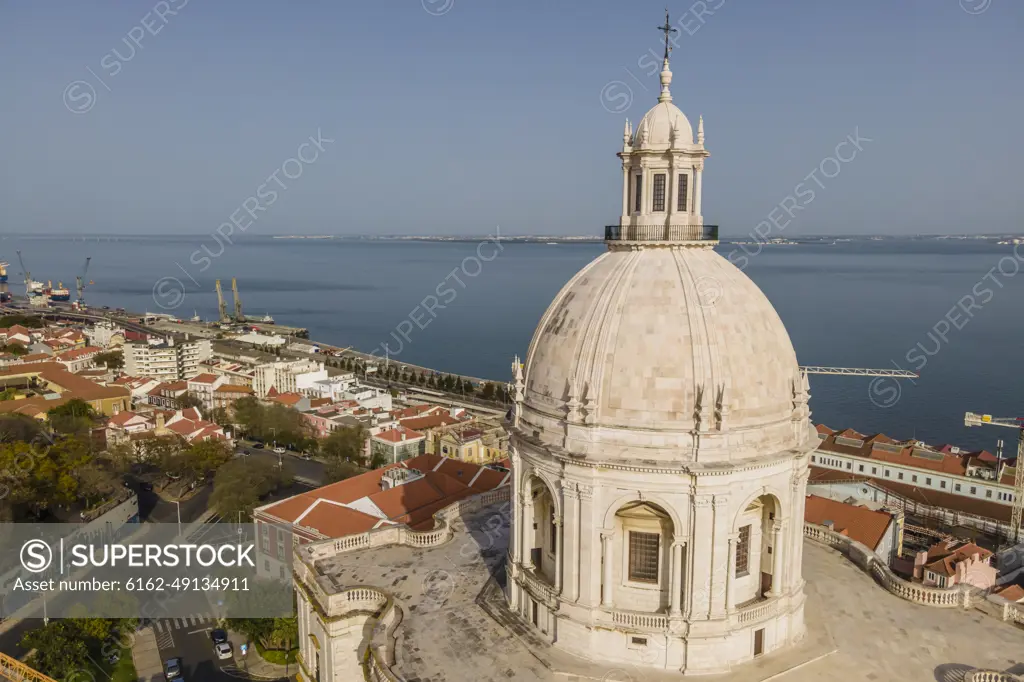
[953,562]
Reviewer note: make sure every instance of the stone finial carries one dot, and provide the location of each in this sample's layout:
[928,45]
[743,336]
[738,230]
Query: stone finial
[626,134]
[700,130]
[721,409]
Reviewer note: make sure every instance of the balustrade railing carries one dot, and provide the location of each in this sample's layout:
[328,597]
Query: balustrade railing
[990,676]
[661,233]
[877,568]
[640,621]
[403,535]
[758,611]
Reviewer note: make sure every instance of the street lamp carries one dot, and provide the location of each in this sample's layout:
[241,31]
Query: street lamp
[177,504]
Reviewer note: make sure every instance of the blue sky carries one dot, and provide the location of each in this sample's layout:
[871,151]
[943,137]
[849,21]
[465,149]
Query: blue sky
[452,117]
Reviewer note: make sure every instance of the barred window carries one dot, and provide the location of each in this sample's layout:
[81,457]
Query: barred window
[743,552]
[643,557]
[681,197]
[658,198]
[638,194]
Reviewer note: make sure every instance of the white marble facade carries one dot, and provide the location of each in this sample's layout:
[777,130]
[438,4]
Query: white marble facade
[660,443]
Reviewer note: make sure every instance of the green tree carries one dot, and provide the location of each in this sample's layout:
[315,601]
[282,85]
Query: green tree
[221,417]
[111,359]
[345,444]
[187,400]
[338,470]
[487,393]
[59,648]
[240,484]
[8,394]
[14,348]
[75,417]
[203,457]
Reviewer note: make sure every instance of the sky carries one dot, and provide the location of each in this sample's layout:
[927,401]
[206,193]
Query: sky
[455,117]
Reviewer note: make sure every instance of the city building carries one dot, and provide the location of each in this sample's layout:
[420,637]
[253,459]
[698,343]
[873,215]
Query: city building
[79,358]
[878,530]
[261,340]
[122,425]
[237,373]
[901,465]
[955,562]
[167,359]
[660,443]
[225,395]
[167,394]
[105,334]
[405,495]
[45,385]
[202,388]
[347,387]
[294,376]
[395,445]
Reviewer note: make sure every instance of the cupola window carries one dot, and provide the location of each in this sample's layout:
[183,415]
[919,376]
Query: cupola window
[638,193]
[681,197]
[658,193]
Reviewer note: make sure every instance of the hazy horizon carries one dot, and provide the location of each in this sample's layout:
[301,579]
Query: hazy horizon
[445,117]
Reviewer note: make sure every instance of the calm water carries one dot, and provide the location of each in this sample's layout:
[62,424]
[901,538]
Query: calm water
[855,304]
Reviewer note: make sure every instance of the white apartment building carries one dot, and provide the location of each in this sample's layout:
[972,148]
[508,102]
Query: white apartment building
[347,387]
[167,359]
[105,334]
[914,463]
[297,376]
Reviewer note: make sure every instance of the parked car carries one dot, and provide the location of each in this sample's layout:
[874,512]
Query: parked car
[279,450]
[172,668]
[218,636]
[306,456]
[257,446]
[223,650]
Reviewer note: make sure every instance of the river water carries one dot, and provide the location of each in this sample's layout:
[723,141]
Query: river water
[891,303]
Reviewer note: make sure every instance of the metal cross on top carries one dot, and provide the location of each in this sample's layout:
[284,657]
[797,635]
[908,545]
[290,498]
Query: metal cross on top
[667,28]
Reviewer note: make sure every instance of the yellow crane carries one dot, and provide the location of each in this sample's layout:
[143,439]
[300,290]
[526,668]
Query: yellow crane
[222,307]
[13,669]
[239,317]
[972,419]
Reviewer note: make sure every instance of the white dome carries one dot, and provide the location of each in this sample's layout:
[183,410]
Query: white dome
[655,129]
[620,358]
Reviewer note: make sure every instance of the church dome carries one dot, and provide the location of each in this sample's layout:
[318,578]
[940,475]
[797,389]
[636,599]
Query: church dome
[663,353]
[659,126]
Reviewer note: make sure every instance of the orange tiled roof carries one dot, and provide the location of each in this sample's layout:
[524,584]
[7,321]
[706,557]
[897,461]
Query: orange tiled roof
[395,435]
[859,523]
[943,557]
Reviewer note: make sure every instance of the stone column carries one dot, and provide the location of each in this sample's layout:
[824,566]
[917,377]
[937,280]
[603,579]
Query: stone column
[517,513]
[671,188]
[625,190]
[778,586]
[569,541]
[557,530]
[698,172]
[720,567]
[700,549]
[675,575]
[528,532]
[606,568]
[730,581]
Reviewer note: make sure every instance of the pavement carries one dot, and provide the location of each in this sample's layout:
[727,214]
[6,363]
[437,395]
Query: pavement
[146,656]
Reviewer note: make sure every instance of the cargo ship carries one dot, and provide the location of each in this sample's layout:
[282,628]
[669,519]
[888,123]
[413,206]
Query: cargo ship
[60,294]
[3,272]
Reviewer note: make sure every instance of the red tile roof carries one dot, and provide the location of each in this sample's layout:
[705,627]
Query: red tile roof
[443,483]
[859,523]
[943,557]
[203,379]
[396,434]
[79,352]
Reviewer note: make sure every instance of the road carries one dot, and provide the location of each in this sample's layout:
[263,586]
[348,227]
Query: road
[307,469]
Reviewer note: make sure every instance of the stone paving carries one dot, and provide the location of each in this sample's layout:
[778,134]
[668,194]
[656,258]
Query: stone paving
[857,630]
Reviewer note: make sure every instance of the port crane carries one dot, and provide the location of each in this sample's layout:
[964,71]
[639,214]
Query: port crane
[80,282]
[28,275]
[972,419]
[858,372]
[222,307]
[238,302]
